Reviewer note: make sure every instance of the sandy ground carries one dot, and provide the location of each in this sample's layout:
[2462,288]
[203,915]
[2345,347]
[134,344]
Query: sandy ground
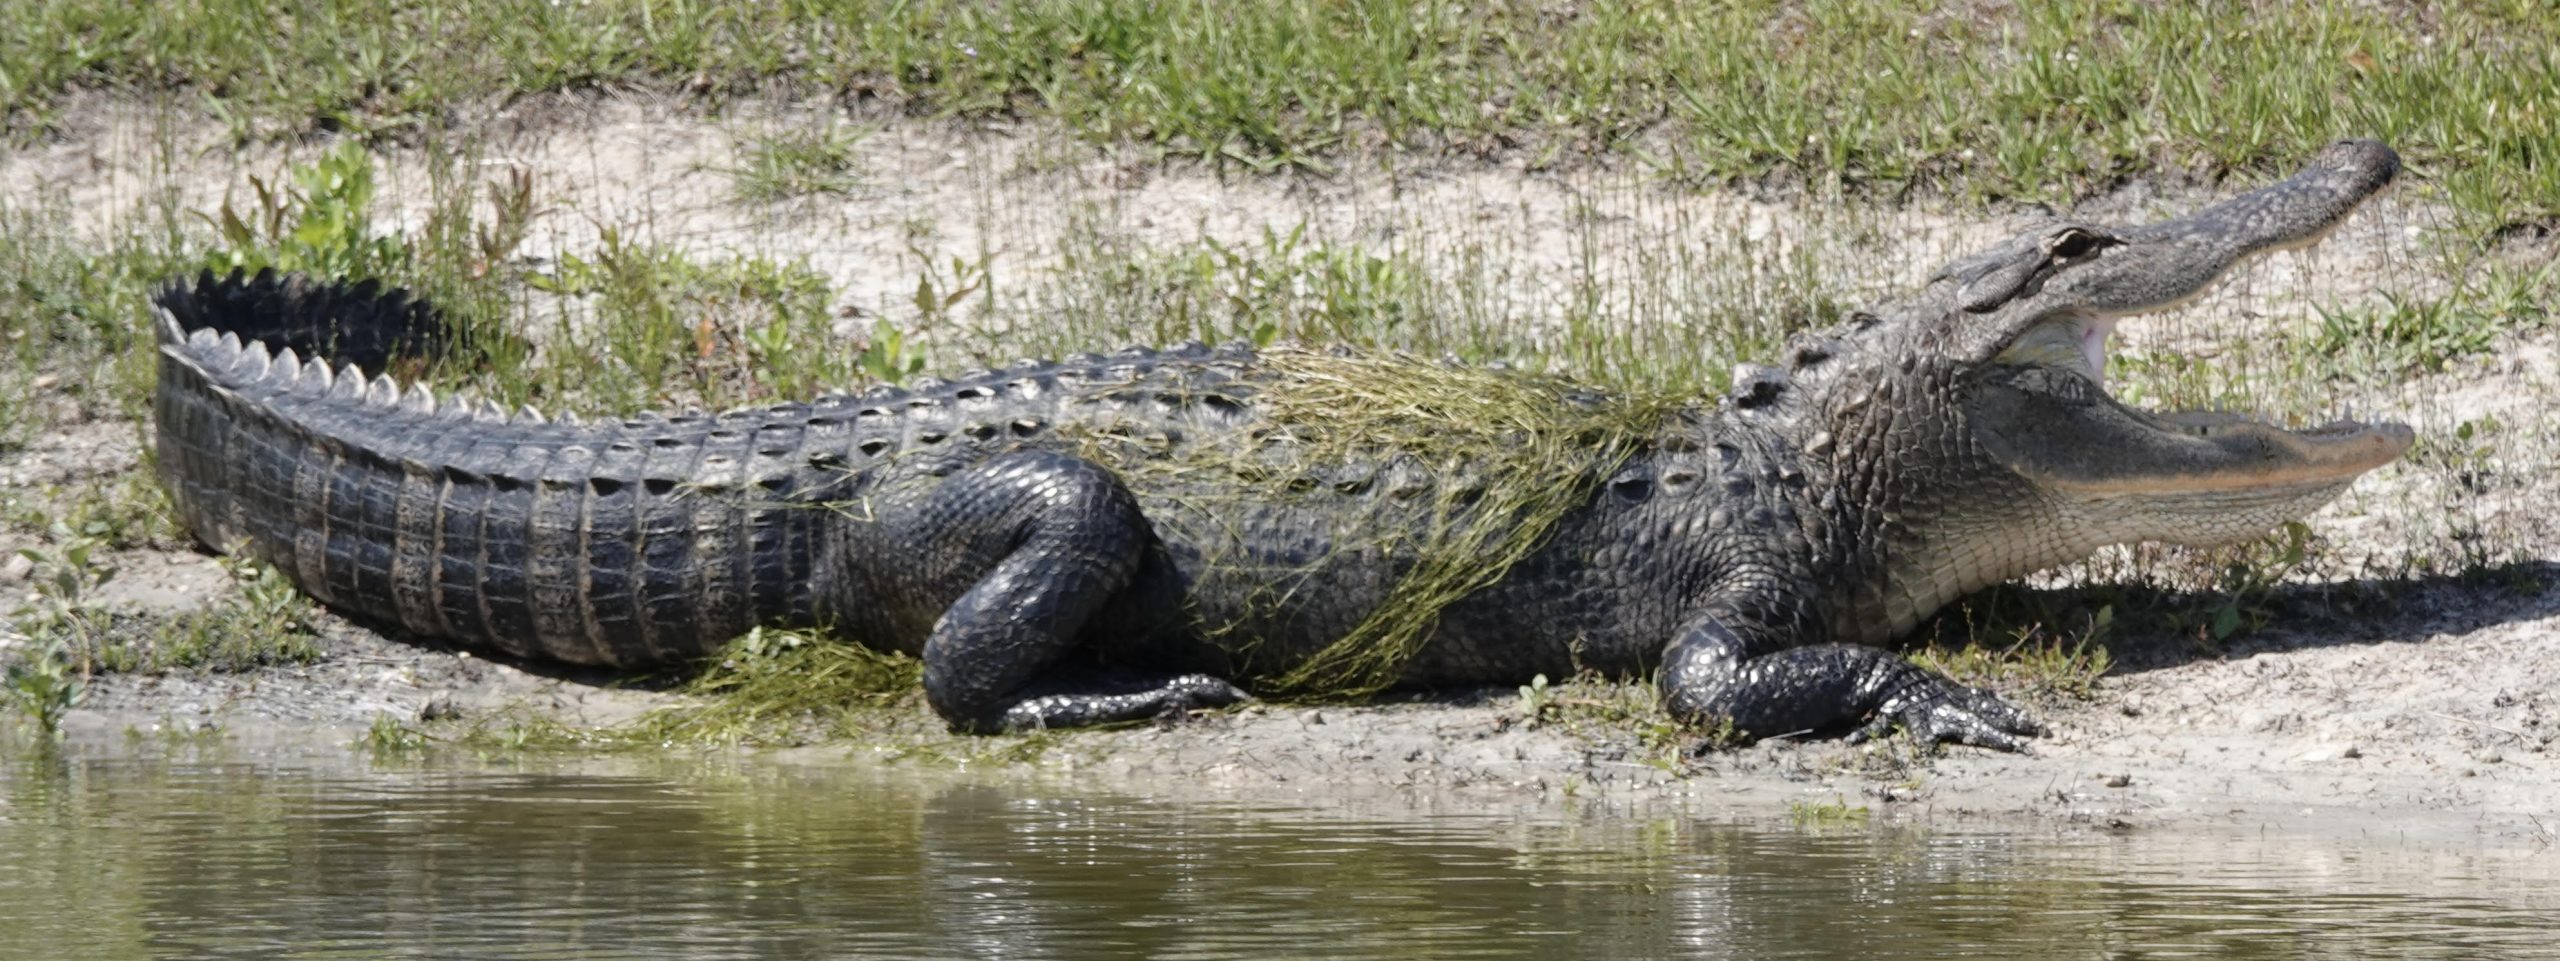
[2381,699]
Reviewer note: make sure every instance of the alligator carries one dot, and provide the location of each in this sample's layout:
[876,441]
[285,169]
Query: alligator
[1108,538]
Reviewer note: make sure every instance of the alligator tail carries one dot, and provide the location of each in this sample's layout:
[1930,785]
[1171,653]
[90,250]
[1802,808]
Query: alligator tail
[625,544]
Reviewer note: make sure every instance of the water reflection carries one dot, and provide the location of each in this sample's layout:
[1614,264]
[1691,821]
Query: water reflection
[132,853]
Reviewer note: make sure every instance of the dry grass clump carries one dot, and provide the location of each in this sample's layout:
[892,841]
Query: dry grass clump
[1495,458]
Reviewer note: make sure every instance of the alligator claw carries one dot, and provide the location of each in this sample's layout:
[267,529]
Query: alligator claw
[1939,711]
[1177,695]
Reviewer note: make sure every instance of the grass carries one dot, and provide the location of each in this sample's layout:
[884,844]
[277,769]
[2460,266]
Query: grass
[792,164]
[2035,102]
[769,688]
[2025,657]
[1623,714]
[782,686]
[2403,336]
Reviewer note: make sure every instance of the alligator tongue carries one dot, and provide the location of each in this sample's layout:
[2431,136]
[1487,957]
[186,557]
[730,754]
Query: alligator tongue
[2093,344]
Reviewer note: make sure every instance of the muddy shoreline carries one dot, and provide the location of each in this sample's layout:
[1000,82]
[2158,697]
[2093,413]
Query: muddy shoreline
[2439,739]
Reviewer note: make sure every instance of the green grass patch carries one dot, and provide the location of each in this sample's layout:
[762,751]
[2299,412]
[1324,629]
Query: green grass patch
[1676,319]
[1603,710]
[2402,336]
[663,329]
[2036,101]
[791,164]
[769,688]
[71,313]
[2029,657]
[782,686]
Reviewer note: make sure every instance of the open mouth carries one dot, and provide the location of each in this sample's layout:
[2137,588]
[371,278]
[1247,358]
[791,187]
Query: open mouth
[2221,450]
[2045,409]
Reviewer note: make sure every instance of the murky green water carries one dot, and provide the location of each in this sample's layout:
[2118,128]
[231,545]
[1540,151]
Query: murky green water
[144,851]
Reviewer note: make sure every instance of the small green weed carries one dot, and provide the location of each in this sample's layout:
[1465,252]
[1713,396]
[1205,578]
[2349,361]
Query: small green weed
[47,676]
[268,624]
[1538,701]
[2247,577]
[389,736]
[2033,657]
[1834,813]
[60,617]
[669,329]
[1285,286]
[43,686]
[798,163]
[320,224]
[128,512]
[1600,709]
[940,292]
[507,733]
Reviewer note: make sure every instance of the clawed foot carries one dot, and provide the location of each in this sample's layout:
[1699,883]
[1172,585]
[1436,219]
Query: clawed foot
[1188,692]
[1936,710]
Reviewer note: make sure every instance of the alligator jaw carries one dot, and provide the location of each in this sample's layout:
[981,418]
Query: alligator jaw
[2045,409]
[2093,445]
[2210,451]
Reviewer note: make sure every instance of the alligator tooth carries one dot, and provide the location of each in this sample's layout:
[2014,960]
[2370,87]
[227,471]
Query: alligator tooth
[383,390]
[203,339]
[231,340]
[419,400]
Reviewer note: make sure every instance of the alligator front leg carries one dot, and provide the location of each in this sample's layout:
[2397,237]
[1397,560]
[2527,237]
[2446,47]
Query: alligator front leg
[1051,539]
[1710,673]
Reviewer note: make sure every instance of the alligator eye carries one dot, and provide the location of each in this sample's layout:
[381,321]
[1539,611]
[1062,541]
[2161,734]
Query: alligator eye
[2073,243]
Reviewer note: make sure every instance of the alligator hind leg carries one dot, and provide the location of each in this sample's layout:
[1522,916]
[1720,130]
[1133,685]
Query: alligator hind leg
[1065,538]
[1711,673]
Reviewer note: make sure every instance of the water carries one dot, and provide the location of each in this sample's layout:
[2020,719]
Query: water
[150,851]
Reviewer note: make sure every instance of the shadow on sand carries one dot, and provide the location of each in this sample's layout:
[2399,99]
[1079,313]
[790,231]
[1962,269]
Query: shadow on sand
[2157,627]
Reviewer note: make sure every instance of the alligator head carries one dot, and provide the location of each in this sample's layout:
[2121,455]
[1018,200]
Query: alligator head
[2034,317]
[1996,374]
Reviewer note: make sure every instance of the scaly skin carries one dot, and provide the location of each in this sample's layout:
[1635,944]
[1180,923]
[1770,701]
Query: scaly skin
[1754,550]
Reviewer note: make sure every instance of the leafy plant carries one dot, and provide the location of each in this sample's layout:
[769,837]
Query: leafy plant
[320,224]
[1537,702]
[44,687]
[48,678]
[388,736]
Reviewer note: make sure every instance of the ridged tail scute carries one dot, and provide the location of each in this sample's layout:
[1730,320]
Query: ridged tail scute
[365,324]
[608,543]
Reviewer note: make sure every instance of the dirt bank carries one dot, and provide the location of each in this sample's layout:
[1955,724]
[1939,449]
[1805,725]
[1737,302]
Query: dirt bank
[2401,682]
